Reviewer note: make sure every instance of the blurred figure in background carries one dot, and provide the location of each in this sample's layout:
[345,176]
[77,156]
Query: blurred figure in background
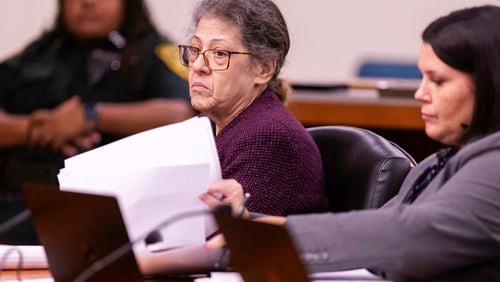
[101,73]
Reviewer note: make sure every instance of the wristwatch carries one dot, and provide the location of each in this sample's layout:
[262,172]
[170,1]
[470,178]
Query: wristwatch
[91,115]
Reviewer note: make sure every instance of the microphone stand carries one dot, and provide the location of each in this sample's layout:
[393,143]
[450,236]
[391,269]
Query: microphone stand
[123,249]
[14,221]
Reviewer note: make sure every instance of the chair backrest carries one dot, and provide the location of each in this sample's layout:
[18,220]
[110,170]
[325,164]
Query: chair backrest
[389,69]
[362,169]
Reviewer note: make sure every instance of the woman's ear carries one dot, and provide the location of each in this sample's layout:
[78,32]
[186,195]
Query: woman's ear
[265,72]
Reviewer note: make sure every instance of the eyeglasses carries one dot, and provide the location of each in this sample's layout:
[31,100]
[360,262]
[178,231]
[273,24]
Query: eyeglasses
[215,59]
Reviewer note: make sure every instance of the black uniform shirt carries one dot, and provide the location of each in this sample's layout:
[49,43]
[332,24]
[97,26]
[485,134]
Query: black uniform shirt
[48,73]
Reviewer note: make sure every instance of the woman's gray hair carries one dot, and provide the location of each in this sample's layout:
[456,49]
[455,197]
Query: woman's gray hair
[262,27]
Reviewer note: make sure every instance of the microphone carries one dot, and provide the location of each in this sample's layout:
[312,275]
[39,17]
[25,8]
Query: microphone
[150,237]
[154,236]
[117,39]
[14,221]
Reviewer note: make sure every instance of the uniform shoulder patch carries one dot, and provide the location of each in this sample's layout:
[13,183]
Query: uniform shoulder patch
[169,54]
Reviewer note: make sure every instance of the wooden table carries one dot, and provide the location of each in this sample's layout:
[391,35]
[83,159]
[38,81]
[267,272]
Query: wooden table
[360,108]
[27,274]
[342,276]
[11,275]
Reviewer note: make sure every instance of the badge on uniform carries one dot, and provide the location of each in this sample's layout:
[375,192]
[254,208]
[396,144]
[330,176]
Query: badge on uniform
[169,54]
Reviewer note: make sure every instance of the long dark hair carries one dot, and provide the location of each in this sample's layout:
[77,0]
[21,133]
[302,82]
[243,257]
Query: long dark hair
[469,41]
[136,25]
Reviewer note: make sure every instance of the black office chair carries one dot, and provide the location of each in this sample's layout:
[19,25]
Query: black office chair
[363,170]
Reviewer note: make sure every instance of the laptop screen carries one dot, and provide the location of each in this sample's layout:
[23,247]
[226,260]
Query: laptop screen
[259,251]
[78,229]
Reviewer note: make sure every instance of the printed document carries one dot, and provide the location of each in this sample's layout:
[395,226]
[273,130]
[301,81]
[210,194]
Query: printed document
[155,175]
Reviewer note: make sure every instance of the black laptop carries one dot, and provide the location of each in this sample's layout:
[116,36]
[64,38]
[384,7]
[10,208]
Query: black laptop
[78,229]
[260,252]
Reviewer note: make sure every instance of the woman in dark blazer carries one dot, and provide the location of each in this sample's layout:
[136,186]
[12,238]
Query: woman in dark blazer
[444,225]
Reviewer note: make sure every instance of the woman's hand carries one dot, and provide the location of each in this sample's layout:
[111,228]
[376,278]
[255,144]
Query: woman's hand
[81,143]
[226,192]
[53,128]
[229,191]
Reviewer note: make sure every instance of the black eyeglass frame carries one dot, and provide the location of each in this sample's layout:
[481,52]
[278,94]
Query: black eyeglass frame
[205,59]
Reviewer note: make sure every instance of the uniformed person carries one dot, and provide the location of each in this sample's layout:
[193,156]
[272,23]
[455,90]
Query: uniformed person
[102,72]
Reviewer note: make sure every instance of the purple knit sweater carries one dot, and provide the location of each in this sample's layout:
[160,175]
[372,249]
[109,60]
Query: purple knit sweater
[274,158]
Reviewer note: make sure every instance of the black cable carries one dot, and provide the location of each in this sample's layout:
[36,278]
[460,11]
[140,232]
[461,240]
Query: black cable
[5,227]
[19,264]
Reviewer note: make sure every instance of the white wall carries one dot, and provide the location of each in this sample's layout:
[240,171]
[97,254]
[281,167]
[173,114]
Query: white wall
[329,37]
[21,21]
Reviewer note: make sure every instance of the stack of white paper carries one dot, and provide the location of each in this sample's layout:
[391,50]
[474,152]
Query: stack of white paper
[356,275]
[154,175]
[31,257]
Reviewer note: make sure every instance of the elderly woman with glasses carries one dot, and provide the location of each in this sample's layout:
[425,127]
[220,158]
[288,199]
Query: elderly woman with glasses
[234,59]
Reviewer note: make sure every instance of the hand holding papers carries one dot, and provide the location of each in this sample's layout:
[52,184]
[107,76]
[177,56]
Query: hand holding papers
[154,175]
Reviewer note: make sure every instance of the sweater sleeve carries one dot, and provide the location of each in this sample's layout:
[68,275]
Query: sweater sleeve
[265,163]
[457,227]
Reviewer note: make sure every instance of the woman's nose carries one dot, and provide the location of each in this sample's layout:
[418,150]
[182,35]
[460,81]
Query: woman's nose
[422,94]
[200,64]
